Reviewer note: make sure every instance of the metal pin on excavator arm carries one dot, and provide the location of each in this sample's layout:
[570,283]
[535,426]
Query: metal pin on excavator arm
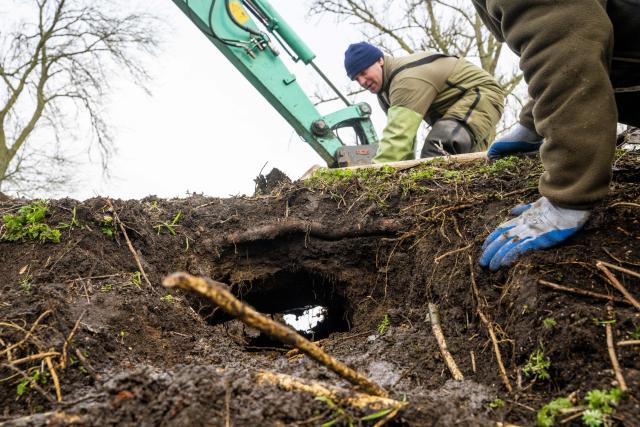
[228,24]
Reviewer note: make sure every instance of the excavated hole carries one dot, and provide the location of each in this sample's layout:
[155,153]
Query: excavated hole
[312,304]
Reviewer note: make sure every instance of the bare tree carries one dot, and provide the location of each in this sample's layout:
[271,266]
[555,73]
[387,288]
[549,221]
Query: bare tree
[451,27]
[55,69]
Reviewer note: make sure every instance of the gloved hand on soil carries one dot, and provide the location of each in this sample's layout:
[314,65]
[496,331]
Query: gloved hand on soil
[518,140]
[539,225]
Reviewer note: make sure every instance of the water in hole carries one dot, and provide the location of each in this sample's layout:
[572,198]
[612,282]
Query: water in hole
[306,318]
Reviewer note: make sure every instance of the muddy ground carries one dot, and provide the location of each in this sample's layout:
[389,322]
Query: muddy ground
[372,248]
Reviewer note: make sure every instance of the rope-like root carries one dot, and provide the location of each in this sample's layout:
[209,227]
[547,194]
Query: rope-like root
[218,293]
[582,292]
[385,226]
[54,377]
[487,324]
[612,354]
[339,395]
[434,316]
[616,284]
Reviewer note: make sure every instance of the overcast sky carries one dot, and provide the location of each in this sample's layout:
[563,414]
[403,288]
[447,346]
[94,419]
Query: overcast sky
[205,129]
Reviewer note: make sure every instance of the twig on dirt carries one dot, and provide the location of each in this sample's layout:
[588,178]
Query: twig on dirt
[513,193]
[68,249]
[116,218]
[621,261]
[104,276]
[87,365]
[528,408]
[336,394]
[616,284]
[32,382]
[434,317]
[23,340]
[217,293]
[487,324]
[63,359]
[612,353]
[329,342]
[582,292]
[313,420]
[385,226]
[620,269]
[35,357]
[473,361]
[391,415]
[572,417]
[628,342]
[634,205]
[455,251]
[54,377]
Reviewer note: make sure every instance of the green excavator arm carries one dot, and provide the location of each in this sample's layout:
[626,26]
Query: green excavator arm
[231,25]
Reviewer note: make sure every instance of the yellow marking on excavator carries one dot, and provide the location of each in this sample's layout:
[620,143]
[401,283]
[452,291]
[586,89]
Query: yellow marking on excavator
[238,12]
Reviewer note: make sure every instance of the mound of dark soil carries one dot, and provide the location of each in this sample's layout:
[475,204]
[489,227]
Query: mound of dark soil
[89,319]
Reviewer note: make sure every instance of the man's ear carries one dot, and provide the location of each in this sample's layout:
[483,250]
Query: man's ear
[381,60]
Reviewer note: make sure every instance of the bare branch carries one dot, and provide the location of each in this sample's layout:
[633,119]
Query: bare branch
[55,71]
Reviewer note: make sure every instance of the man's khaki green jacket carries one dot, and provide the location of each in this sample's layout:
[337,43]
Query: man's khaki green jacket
[442,87]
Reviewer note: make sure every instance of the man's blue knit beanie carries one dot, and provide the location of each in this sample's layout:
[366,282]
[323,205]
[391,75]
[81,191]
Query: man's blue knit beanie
[359,56]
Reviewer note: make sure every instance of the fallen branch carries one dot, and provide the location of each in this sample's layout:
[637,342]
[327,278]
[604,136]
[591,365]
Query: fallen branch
[612,354]
[487,324]
[217,293]
[339,395]
[54,377]
[582,292]
[616,284]
[385,226]
[434,316]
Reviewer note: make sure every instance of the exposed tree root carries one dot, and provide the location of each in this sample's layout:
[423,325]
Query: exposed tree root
[434,316]
[217,293]
[63,359]
[316,229]
[616,284]
[628,342]
[54,377]
[582,292]
[116,218]
[407,164]
[33,357]
[612,354]
[340,396]
[487,324]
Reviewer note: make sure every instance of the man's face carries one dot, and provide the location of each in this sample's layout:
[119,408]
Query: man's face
[371,78]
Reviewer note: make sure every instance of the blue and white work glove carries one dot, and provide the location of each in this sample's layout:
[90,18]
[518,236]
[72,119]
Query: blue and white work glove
[539,225]
[518,140]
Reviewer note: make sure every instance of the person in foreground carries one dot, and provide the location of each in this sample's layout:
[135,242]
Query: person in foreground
[580,87]
[460,101]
